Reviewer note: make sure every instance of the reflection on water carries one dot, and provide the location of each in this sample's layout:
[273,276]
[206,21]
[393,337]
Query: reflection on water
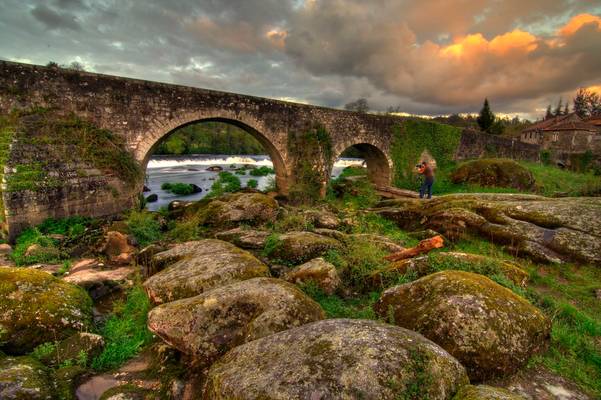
[192,169]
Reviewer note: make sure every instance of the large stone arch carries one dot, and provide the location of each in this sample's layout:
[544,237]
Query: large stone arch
[256,128]
[378,162]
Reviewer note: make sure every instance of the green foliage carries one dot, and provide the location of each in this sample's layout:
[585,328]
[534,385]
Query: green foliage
[144,227]
[337,307]
[178,188]
[352,193]
[125,332]
[272,243]
[71,227]
[545,157]
[486,118]
[415,136]
[293,221]
[210,138]
[43,351]
[226,183]
[369,222]
[262,171]
[252,183]
[312,149]
[47,252]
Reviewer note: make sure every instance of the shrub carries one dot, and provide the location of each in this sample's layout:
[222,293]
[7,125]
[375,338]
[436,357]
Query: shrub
[178,188]
[545,157]
[47,251]
[226,183]
[252,183]
[125,332]
[262,171]
[144,227]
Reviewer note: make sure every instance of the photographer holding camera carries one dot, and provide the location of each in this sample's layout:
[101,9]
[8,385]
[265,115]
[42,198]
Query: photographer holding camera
[424,169]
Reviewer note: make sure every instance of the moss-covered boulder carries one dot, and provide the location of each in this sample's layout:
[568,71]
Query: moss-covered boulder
[428,264]
[494,172]
[323,219]
[198,266]
[546,229]
[487,327]
[244,238]
[484,392]
[298,247]
[36,307]
[73,348]
[208,325]
[337,359]
[382,242]
[67,379]
[24,378]
[318,271]
[236,208]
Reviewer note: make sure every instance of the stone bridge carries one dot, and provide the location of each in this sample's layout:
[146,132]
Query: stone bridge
[144,113]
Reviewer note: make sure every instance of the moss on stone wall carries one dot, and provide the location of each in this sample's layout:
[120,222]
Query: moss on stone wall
[7,131]
[415,136]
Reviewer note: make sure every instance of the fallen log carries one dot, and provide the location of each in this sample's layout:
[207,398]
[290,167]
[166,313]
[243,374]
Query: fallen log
[424,246]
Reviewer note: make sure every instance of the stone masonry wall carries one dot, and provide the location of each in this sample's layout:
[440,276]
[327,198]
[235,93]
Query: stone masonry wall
[477,145]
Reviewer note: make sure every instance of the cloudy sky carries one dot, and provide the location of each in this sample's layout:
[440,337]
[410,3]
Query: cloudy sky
[426,56]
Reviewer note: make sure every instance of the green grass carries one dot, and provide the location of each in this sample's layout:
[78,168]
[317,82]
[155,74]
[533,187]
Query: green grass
[178,188]
[125,332]
[144,227]
[356,194]
[338,307]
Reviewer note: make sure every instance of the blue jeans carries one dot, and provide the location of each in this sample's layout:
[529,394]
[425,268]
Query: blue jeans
[426,187]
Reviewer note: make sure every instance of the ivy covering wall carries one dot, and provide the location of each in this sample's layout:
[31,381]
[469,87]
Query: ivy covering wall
[411,139]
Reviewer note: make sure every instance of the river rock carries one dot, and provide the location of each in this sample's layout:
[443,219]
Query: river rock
[208,325]
[198,266]
[323,219]
[484,392]
[298,247]
[236,208]
[24,378]
[487,327]
[152,198]
[36,307]
[71,348]
[245,238]
[318,271]
[337,359]
[546,229]
[494,172]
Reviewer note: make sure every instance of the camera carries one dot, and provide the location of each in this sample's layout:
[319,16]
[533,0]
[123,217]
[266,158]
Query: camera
[418,166]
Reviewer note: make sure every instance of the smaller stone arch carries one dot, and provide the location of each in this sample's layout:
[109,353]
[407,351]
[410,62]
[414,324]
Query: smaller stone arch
[143,149]
[378,163]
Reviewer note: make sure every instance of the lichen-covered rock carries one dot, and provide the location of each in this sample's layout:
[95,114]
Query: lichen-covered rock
[487,327]
[382,242]
[99,281]
[24,378]
[318,271]
[66,379]
[208,325]
[128,392]
[494,172]
[36,307]
[547,229]
[117,248]
[232,209]
[323,219]
[425,265]
[484,392]
[337,359]
[199,266]
[298,247]
[72,347]
[244,238]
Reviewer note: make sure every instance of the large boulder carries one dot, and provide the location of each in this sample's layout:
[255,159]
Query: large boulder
[484,392]
[70,349]
[552,230]
[98,279]
[36,307]
[487,327]
[208,325]
[298,247]
[337,359]
[318,271]
[233,209]
[244,238]
[24,378]
[494,172]
[323,219]
[199,266]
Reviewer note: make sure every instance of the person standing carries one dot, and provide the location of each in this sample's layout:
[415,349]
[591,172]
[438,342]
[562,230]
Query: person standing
[426,170]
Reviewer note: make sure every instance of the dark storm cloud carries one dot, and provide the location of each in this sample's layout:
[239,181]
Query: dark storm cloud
[427,57]
[53,19]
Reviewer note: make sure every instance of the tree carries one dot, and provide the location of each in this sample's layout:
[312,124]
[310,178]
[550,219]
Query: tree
[486,117]
[557,111]
[359,105]
[77,66]
[497,127]
[548,114]
[52,64]
[587,103]
[391,109]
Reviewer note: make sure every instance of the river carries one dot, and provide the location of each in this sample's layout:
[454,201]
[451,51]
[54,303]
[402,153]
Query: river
[193,169]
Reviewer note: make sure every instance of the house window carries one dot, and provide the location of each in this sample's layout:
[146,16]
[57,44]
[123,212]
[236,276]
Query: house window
[555,136]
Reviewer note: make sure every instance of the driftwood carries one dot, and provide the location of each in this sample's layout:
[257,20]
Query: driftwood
[424,246]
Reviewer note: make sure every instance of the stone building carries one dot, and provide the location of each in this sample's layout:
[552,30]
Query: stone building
[564,137]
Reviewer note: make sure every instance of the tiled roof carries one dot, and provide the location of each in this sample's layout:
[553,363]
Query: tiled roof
[570,122]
